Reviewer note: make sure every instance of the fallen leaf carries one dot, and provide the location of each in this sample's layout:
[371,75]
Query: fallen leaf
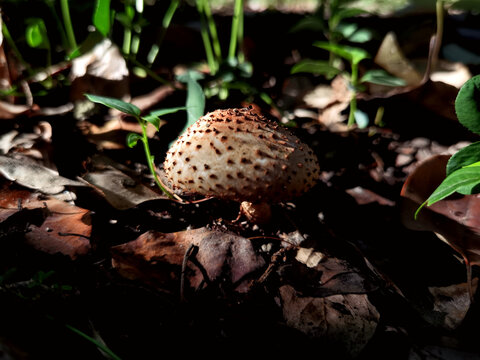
[343,323]
[65,229]
[364,196]
[454,220]
[157,258]
[390,56]
[451,303]
[26,172]
[101,71]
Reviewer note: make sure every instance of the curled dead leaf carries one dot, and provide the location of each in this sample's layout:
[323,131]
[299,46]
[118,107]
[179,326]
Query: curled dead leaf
[455,220]
[343,323]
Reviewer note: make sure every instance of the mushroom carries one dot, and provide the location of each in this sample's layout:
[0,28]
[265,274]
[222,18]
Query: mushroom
[239,155]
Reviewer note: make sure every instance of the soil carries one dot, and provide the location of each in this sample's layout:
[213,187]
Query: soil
[354,214]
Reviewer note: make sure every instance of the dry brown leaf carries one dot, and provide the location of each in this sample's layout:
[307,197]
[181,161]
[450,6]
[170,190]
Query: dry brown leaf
[66,228]
[156,258]
[345,323]
[454,219]
[119,189]
[28,173]
[390,56]
[102,71]
[365,196]
[451,303]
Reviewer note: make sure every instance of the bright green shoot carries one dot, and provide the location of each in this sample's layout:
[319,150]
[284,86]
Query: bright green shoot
[133,138]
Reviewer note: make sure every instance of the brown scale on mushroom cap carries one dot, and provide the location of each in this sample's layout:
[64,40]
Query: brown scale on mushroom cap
[236,154]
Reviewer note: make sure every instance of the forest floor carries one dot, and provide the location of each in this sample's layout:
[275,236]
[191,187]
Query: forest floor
[120,271]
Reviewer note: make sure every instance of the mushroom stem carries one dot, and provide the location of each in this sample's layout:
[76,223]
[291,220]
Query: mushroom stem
[258,213]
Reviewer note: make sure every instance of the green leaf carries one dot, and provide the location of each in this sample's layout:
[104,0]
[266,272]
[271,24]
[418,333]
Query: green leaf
[464,181]
[464,157]
[36,34]
[101,16]
[315,67]
[361,36]
[310,23]
[113,103]
[352,54]
[381,77]
[132,139]
[361,119]
[154,116]
[467,104]
[346,29]
[195,103]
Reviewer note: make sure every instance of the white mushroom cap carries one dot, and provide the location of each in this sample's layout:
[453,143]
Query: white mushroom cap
[236,154]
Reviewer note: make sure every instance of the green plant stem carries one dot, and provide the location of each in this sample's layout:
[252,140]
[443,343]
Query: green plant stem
[98,344]
[68,24]
[167,19]
[14,48]
[211,61]
[438,34]
[353,98]
[150,72]
[213,30]
[150,159]
[236,22]
[58,22]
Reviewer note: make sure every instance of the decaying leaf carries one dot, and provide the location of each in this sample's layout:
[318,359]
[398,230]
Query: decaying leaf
[27,173]
[157,258]
[102,71]
[452,302]
[390,56]
[454,220]
[343,323]
[65,229]
[119,189]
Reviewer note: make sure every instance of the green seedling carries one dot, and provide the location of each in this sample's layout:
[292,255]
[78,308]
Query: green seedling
[353,55]
[332,20]
[463,168]
[194,106]
[133,138]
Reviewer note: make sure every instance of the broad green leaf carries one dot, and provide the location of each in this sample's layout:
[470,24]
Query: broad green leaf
[162,112]
[464,181]
[352,54]
[381,77]
[361,36]
[315,67]
[467,104]
[101,16]
[195,103]
[464,157]
[113,103]
[132,139]
[154,116]
[36,33]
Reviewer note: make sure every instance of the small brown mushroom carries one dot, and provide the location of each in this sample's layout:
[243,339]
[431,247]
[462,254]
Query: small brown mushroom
[237,154]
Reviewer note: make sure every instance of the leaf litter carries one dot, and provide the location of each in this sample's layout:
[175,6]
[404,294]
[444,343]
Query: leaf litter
[336,270]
